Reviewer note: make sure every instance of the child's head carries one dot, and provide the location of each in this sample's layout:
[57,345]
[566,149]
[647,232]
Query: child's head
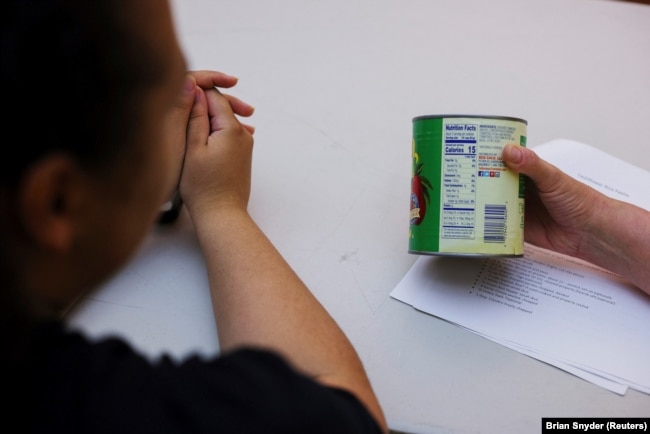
[88,85]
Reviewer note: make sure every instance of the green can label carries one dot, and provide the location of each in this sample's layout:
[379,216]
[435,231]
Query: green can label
[464,200]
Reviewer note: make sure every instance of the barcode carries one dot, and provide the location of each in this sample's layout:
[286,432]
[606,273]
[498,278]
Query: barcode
[494,229]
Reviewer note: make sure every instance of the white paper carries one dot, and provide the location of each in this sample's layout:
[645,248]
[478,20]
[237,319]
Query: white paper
[555,308]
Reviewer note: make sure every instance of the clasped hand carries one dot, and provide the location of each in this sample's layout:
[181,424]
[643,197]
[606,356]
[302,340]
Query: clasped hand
[214,149]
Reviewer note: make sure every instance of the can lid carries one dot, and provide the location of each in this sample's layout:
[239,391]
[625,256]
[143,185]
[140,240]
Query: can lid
[508,118]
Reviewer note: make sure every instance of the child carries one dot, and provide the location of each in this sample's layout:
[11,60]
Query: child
[104,122]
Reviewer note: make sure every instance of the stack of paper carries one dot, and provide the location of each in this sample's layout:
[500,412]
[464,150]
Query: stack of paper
[557,309]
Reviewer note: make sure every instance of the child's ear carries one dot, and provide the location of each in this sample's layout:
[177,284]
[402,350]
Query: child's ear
[49,200]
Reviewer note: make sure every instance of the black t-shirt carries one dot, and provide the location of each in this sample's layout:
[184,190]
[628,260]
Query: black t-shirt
[68,384]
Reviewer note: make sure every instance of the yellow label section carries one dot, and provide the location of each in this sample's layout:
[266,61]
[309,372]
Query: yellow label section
[481,208]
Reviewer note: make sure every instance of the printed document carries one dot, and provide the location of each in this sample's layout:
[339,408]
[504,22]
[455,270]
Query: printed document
[557,309]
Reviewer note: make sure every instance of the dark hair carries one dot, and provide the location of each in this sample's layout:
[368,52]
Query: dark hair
[74,76]
[73,73]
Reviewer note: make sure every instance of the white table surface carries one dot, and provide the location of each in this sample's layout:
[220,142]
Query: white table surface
[336,84]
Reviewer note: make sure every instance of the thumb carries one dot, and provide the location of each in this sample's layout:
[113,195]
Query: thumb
[527,162]
[198,126]
[178,117]
[176,122]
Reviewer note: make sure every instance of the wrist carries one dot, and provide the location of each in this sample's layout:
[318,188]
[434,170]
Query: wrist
[213,212]
[617,237]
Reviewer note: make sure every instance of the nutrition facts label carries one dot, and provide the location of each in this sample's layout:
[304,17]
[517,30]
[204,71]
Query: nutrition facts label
[464,199]
[459,181]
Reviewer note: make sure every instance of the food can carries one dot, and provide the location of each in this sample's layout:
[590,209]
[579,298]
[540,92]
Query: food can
[464,200]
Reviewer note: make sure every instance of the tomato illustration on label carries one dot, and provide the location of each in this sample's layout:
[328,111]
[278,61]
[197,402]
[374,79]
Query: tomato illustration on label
[420,187]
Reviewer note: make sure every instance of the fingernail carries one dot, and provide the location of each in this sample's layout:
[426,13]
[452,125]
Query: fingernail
[189,85]
[514,154]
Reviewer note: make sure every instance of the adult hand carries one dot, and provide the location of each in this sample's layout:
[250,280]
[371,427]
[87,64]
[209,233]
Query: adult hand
[567,216]
[558,208]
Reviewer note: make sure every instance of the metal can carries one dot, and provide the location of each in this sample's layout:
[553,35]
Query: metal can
[464,200]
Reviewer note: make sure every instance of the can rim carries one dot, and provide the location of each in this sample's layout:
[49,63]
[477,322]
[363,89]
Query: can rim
[508,118]
[465,255]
